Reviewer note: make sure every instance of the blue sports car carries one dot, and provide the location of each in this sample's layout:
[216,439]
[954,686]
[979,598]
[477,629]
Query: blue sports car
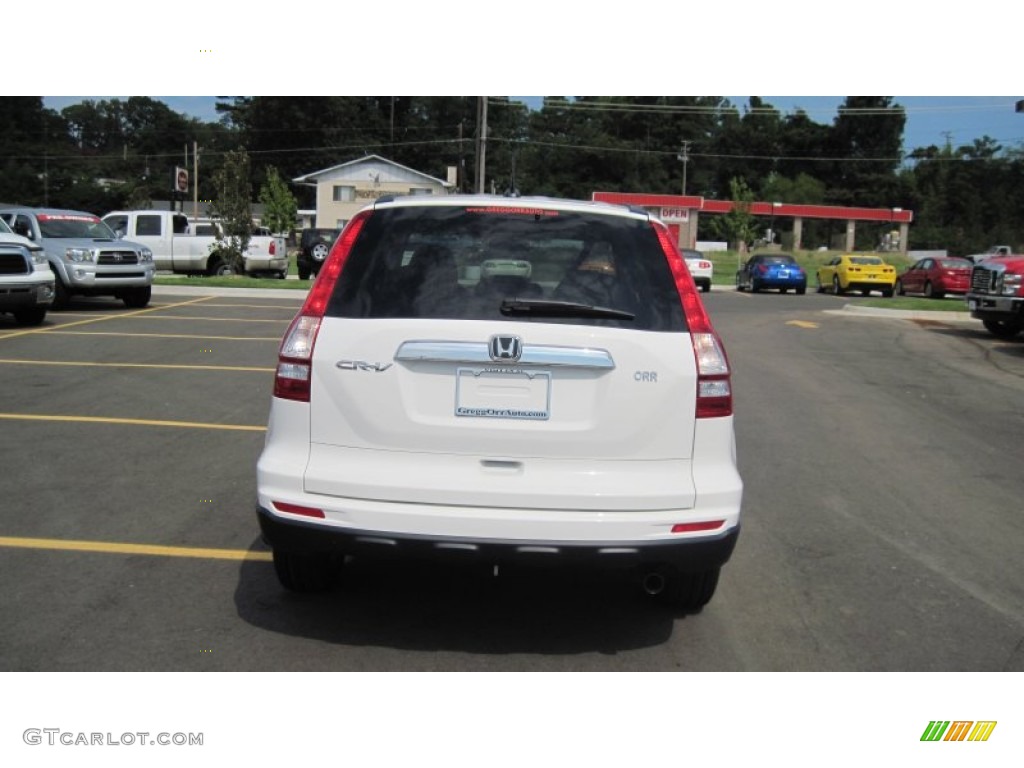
[771,270]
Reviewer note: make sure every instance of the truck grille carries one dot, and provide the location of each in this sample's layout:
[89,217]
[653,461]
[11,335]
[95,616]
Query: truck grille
[118,257]
[14,264]
[985,280]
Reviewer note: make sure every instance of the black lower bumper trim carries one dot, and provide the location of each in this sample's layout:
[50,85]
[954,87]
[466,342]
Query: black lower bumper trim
[685,554]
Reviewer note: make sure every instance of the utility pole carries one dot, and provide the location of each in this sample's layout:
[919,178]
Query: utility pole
[684,156]
[481,143]
[195,180]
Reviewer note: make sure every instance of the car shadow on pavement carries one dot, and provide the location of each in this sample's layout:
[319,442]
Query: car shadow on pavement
[460,608]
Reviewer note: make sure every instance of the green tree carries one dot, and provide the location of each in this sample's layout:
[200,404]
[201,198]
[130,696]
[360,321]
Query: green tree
[233,208]
[280,208]
[739,224]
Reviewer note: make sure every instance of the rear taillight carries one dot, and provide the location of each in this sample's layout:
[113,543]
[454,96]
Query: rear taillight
[273,247]
[762,268]
[714,384]
[295,358]
[705,265]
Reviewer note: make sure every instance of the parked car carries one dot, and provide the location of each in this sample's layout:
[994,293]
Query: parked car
[857,272]
[771,270]
[314,245]
[513,382]
[701,269]
[935,277]
[26,281]
[85,255]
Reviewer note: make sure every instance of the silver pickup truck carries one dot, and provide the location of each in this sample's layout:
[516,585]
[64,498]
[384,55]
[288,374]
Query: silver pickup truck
[85,256]
[26,282]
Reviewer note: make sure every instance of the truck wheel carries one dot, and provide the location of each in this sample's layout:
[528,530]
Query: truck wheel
[303,273]
[320,251]
[137,298]
[61,295]
[33,316]
[1004,329]
[307,572]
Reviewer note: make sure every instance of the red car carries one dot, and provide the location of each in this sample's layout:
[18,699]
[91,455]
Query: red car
[936,277]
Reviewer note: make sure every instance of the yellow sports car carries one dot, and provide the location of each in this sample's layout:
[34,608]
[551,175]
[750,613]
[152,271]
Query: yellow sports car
[856,272]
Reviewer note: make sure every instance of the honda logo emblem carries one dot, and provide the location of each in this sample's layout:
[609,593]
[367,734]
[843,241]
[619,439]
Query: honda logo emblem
[506,348]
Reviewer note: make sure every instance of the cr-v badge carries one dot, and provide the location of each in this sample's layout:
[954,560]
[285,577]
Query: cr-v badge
[361,365]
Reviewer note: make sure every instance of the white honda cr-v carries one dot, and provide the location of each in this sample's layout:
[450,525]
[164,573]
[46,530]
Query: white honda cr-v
[514,380]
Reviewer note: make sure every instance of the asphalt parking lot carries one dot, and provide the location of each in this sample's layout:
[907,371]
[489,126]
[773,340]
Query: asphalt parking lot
[135,432]
[128,538]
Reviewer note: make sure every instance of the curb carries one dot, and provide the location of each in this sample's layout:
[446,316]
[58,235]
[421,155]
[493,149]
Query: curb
[187,290]
[903,314]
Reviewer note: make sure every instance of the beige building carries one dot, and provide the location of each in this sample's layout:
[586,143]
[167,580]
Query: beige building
[341,191]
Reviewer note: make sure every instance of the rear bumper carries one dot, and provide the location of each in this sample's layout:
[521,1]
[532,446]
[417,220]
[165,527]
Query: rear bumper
[686,554]
[782,282]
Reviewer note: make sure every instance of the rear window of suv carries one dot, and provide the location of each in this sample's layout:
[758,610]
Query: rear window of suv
[463,262]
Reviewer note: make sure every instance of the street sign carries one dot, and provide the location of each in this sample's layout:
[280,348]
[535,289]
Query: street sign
[180,180]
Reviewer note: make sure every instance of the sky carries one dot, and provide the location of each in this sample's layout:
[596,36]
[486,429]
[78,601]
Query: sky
[930,119]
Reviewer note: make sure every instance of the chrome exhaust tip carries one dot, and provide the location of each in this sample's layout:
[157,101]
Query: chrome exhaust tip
[653,583]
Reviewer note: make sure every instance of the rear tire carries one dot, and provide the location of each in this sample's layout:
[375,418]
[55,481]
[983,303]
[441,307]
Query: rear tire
[899,288]
[836,288]
[307,572]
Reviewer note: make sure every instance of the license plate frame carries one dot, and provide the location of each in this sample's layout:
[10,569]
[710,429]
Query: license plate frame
[503,393]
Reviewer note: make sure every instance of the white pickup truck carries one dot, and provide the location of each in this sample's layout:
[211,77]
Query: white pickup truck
[177,248]
[993,252]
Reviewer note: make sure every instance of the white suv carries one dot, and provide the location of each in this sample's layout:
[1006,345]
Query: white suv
[527,380]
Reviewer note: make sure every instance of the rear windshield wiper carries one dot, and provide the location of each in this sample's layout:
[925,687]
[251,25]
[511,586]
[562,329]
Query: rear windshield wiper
[552,308]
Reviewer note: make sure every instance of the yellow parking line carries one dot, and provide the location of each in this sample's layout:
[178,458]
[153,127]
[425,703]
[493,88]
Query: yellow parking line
[803,324]
[117,548]
[275,339]
[282,321]
[101,318]
[293,309]
[131,422]
[245,368]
